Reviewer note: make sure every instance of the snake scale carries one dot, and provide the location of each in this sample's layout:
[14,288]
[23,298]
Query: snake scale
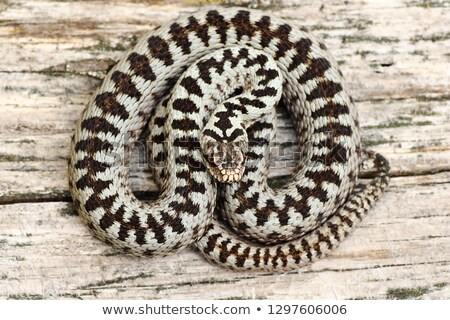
[207,86]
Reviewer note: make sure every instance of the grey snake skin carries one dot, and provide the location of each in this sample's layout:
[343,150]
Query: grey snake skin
[207,86]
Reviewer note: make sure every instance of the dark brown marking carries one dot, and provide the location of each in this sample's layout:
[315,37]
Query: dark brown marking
[257,257]
[108,219]
[331,110]
[201,30]
[194,186]
[159,138]
[189,143]
[326,239]
[156,228]
[211,243]
[334,230]
[224,252]
[259,126]
[266,256]
[264,24]
[324,89]
[181,37]
[241,258]
[140,65]
[243,25]
[180,34]
[235,134]
[185,106]
[184,124]
[215,19]
[327,175]
[302,47]
[251,102]
[160,121]
[336,129]
[316,69]
[194,165]
[205,69]
[337,152]
[97,185]
[212,134]
[243,54]
[276,236]
[92,145]
[282,256]
[191,86]
[345,219]
[307,248]
[139,231]
[160,50]
[95,202]
[92,165]
[224,121]
[107,103]
[284,44]
[188,206]
[295,254]
[316,246]
[99,124]
[268,75]
[125,85]
[176,223]
[267,91]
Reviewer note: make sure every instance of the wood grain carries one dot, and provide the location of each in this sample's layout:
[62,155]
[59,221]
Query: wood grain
[395,56]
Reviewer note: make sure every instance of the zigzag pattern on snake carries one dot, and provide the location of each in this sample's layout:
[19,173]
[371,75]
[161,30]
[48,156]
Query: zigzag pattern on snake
[207,86]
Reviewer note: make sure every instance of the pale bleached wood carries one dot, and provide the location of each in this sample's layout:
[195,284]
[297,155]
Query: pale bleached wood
[395,57]
[48,252]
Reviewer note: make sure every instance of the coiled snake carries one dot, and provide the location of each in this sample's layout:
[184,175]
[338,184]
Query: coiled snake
[207,85]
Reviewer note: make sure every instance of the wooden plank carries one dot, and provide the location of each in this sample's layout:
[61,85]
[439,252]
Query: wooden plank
[48,253]
[395,57]
[414,135]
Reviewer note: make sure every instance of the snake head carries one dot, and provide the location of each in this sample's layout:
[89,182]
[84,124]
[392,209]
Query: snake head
[225,159]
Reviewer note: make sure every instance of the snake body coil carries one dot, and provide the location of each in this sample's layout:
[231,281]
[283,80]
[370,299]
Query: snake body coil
[207,85]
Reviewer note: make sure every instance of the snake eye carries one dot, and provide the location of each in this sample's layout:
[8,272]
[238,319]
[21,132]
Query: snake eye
[219,155]
[218,158]
[211,151]
[208,147]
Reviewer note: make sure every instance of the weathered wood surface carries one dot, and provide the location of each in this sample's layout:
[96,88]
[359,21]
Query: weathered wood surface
[396,58]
